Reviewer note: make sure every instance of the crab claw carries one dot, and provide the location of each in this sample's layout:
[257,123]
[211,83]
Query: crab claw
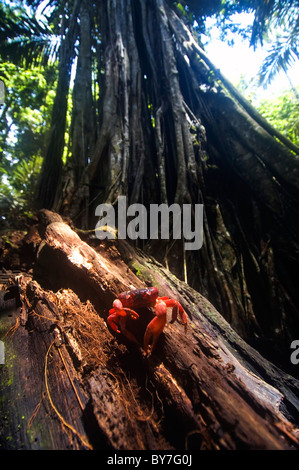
[113,320]
[123,311]
[160,308]
[117,304]
[134,315]
[155,327]
[152,333]
[117,313]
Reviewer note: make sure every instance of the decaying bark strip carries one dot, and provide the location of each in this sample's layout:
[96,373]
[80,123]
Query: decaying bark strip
[68,382]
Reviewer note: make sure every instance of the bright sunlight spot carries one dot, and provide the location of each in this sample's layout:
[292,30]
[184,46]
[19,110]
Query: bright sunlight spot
[243,62]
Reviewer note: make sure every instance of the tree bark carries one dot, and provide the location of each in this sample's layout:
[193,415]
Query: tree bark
[170,128]
[74,384]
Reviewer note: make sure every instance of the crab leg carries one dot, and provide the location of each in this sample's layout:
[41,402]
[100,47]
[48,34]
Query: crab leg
[152,333]
[176,309]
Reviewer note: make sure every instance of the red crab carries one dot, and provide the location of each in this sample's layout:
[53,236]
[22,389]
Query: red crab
[147,297]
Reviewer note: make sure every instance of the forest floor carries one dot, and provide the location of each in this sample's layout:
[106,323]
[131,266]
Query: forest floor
[70,382]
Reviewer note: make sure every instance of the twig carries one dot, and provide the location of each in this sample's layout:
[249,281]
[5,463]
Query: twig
[69,426]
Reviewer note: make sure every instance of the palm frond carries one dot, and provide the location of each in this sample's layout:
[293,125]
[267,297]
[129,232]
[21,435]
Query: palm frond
[282,55]
[24,39]
[264,11]
[30,51]
[15,23]
[282,14]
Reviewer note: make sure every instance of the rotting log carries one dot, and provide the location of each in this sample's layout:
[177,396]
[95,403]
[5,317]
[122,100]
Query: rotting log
[69,383]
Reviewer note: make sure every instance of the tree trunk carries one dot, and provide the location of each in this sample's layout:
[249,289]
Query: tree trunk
[163,125]
[51,173]
[76,384]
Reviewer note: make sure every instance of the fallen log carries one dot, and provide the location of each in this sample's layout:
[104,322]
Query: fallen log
[69,382]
